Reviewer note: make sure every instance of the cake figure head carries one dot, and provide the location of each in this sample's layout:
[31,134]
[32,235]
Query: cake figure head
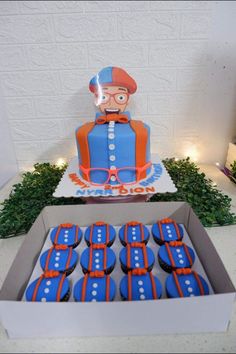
[112,87]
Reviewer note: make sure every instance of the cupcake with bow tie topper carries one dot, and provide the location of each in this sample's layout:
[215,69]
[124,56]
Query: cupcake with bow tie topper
[66,234]
[167,230]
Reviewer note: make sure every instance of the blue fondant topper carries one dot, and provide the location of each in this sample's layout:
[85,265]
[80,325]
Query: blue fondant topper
[136,255]
[176,254]
[60,258]
[98,258]
[133,231]
[100,233]
[167,230]
[66,234]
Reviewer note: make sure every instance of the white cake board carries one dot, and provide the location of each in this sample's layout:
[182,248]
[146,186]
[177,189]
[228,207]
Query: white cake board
[158,181]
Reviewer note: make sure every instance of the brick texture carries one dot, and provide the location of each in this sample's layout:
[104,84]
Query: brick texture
[49,50]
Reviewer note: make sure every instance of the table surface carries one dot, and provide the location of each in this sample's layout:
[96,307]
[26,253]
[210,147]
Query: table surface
[223,238]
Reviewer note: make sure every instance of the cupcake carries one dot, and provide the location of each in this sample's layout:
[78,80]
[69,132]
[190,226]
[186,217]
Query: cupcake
[175,255]
[140,285]
[136,255]
[167,230]
[185,283]
[95,286]
[66,234]
[98,258]
[100,233]
[133,231]
[60,258]
[50,286]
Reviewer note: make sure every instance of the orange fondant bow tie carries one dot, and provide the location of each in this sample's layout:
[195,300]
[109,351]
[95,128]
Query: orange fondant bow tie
[114,117]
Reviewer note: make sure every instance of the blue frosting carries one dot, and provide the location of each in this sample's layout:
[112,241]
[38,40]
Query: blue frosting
[188,284]
[169,232]
[99,234]
[95,289]
[137,257]
[58,260]
[48,288]
[179,256]
[141,287]
[97,259]
[114,147]
[67,236]
[134,233]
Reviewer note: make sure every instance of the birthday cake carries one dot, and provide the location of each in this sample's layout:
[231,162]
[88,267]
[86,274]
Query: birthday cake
[113,149]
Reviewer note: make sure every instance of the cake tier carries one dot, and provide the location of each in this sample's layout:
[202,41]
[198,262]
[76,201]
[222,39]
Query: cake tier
[114,153]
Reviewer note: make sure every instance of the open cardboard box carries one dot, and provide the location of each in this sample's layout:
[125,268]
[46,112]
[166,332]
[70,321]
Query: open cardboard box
[188,315]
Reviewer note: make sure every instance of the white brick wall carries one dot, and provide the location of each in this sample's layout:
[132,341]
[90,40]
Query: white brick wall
[49,50]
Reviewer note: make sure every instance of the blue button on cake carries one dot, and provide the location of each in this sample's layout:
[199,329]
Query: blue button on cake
[60,258]
[95,286]
[175,255]
[50,286]
[66,234]
[133,231]
[136,255]
[98,258]
[100,233]
[140,285]
[185,283]
[167,230]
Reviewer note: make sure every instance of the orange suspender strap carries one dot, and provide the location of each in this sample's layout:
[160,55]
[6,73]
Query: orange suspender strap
[154,291]
[58,297]
[160,230]
[144,249]
[170,255]
[69,258]
[83,296]
[37,288]
[57,234]
[178,284]
[90,258]
[76,233]
[141,134]
[107,288]
[48,258]
[142,231]
[82,140]
[129,286]
[128,256]
[199,283]
[177,230]
[104,258]
[107,233]
[126,233]
[188,254]
[91,234]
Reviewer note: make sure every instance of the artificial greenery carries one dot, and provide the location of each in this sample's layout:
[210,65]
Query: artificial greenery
[29,197]
[210,204]
[233,170]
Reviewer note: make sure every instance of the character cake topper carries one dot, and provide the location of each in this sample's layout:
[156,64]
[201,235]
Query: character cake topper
[114,149]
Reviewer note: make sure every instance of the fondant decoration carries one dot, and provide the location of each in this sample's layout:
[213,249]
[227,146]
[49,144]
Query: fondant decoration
[136,255]
[167,230]
[114,149]
[175,255]
[60,258]
[100,233]
[98,258]
[133,231]
[140,285]
[66,234]
[186,283]
[95,286]
[50,286]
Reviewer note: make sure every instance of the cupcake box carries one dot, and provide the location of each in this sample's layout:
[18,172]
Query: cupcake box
[30,319]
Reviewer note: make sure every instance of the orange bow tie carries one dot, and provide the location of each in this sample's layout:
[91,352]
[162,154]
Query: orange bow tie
[113,117]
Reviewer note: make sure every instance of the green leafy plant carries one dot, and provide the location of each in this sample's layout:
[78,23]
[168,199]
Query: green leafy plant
[233,169]
[29,197]
[210,204]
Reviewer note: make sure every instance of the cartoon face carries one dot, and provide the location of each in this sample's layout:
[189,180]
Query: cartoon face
[111,99]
